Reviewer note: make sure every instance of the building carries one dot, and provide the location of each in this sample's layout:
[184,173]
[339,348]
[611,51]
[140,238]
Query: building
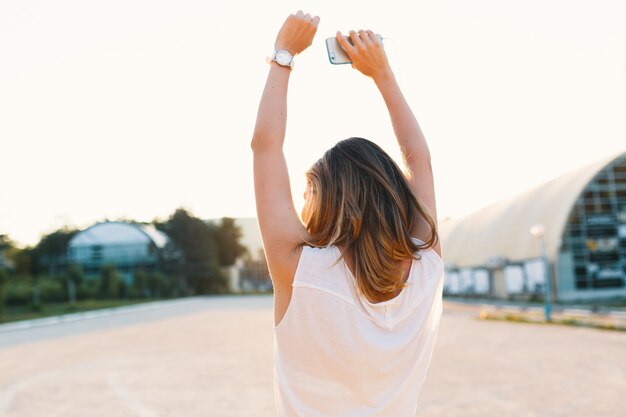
[5,262]
[253,271]
[125,245]
[5,245]
[492,253]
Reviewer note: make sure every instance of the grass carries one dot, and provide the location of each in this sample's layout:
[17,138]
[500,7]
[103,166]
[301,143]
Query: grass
[16,313]
[566,321]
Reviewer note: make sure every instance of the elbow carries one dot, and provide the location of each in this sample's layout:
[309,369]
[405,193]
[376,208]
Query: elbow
[261,143]
[256,144]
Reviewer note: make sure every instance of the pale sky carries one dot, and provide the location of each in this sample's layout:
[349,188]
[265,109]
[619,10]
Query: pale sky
[133,108]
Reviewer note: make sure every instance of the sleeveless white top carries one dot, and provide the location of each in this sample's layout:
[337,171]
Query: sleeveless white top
[338,354]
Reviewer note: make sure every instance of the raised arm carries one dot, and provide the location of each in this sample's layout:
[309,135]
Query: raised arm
[368,56]
[281,229]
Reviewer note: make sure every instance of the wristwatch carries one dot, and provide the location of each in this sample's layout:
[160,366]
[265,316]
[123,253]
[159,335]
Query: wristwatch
[282,58]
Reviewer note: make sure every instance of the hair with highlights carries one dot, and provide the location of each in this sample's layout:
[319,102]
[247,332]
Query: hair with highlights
[359,199]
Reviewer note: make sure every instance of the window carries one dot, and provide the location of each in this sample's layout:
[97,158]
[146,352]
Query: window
[96,252]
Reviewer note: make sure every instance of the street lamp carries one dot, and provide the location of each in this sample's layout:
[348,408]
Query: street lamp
[538,231]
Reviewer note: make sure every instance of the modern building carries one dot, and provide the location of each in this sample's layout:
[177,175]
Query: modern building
[125,245]
[5,244]
[253,272]
[5,262]
[579,239]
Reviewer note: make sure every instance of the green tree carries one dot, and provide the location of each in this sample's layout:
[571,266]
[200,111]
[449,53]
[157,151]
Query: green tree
[51,251]
[159,284]
[36,303]
[4,279]
[6,244]
[110,282]
[228,236]
[24,261]
[196,241]
[140,280]
[74,277]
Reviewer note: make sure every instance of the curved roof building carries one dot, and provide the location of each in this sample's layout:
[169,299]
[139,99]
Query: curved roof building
[125,245]
[119,233]
[584,217]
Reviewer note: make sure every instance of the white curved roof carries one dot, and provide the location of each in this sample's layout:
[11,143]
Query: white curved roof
[503,229]
[118,233]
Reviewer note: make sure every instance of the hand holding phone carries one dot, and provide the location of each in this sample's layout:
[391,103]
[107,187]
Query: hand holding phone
[365,49]
[337,55]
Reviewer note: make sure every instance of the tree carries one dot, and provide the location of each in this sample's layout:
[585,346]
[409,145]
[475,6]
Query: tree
[228,235]
[74,277]
[140,279]
[159,285]
[200,257]
[5,246]
[110,282]
[24,261]
[51,251]
[5,242]
[3,284]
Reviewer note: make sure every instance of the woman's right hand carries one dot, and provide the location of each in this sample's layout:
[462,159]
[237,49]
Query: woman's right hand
[366,52]
[297,32]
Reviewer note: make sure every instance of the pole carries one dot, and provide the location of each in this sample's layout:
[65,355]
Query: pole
[547,285]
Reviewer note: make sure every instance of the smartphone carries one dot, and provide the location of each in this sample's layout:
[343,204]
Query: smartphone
[336,54]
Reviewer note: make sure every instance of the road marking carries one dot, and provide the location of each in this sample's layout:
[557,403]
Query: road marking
[133,403]
[9,391]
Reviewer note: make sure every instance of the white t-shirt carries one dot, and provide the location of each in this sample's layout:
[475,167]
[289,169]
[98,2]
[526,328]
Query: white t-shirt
[338,354]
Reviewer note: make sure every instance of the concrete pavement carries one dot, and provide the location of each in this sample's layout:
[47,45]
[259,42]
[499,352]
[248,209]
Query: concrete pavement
[213,357]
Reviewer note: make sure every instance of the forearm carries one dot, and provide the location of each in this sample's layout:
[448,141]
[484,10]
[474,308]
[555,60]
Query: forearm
[408,133]
[271,119]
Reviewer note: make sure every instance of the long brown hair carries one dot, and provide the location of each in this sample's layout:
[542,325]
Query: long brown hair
[361,200]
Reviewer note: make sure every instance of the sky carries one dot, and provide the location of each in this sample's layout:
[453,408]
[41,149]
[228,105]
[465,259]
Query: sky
[133,108]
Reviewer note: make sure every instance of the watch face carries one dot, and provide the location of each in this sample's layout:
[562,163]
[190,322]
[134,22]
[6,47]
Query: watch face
[283,57]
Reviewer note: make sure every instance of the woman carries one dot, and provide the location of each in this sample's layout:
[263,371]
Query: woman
[357,287]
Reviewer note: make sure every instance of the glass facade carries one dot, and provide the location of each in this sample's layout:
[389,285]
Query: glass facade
[595,234]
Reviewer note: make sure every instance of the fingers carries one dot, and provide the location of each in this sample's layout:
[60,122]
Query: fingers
[297,32]
[314,20]
[366,52]
[343,42]
[373,37]
[364,37]
[356,40]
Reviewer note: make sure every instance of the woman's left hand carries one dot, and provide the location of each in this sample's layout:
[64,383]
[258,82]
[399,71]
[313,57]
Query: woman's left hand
[366,52]
[297,33]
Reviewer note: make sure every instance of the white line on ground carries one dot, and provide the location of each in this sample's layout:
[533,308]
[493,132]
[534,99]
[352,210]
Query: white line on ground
[133,403]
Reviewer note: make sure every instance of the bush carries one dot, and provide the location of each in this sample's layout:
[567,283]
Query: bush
[139,289]
[18,291]
[3,284]
[110,282]
[88,289]
[52,290]
[157,285]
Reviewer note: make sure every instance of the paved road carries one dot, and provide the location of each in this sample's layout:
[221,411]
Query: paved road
[213,357]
